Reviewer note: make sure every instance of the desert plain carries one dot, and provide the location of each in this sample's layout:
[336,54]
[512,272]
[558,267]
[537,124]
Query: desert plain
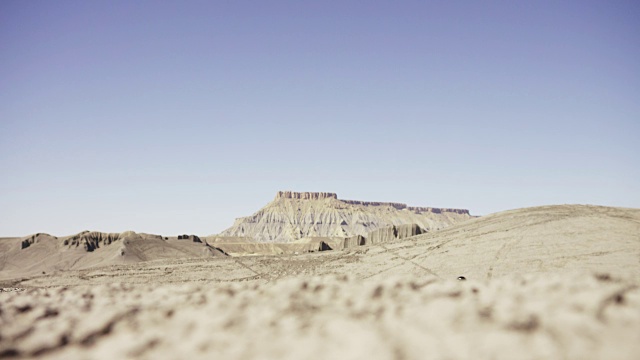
[551,282]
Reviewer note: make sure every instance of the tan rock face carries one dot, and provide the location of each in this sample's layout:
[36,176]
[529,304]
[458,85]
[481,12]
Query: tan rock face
[34,239]
[91,240]
[391,233]
[295,215]
[305,195]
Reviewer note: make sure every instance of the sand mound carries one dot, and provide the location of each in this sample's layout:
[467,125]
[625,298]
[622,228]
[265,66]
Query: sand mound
[542,239]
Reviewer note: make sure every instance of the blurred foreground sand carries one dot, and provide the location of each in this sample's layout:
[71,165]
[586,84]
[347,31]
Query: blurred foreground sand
[524,317]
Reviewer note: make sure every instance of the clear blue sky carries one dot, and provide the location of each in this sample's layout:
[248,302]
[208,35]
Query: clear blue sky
[177,117]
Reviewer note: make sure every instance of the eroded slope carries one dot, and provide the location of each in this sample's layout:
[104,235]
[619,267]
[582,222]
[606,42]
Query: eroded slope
[292,216]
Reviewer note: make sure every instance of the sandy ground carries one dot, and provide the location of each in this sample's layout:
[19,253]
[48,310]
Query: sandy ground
[543,283]
[530,317]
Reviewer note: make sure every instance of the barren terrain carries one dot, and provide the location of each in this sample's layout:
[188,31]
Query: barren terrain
[556,282]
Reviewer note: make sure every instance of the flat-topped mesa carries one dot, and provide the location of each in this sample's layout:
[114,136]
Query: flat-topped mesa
[305,195]
[401,206]
[293,216]
[420,209]
[398,206]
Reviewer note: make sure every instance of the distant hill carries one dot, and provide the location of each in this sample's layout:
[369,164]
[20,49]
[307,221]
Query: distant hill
[545,239]
[45,254]
[292,216]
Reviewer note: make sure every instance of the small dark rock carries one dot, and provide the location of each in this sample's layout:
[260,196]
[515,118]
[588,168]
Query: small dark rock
[619,299]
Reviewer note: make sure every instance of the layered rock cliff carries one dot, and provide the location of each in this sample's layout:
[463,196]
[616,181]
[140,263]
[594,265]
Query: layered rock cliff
[295,215]
[305,195]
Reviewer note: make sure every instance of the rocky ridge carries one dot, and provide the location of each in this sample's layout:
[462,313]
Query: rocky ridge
[43,253]
[296,215]
[305,195]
